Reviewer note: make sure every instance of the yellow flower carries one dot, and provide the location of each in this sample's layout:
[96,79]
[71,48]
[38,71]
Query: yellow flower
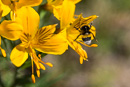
[63,10]
[43,40]
[7,5]
[80,32]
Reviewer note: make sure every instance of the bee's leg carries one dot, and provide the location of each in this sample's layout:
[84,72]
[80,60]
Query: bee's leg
[94,38]
[76,28]
[77,37]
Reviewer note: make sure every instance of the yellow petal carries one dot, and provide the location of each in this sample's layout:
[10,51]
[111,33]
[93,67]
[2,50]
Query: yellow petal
[78,48]
[57,44]
[51,4]
[87,20]
[57,12]
[54,2]
[29,20]
[75,29]
[45,33]
[65,13]
[84,54]
[72,33]
[4,9]
[18,55]
[75,1]
[29,3]
[80,21]
[6,2]
[23,2]
[33,78]
[10,30]
[68,9]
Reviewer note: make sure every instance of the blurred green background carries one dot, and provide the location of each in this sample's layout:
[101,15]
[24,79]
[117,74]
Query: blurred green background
[108,65]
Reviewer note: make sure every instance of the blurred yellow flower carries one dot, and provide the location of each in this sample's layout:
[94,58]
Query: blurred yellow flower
[51,3]
[80,32]
[43,40]
[63,10]
[4,9]
[7,5]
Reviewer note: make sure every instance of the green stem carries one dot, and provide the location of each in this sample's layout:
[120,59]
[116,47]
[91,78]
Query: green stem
[2,85]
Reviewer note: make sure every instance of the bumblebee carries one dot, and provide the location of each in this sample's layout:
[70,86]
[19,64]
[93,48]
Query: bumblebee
[86,31]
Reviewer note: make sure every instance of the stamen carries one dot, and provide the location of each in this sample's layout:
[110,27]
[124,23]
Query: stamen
[32,65]
[76,15]
[33,78]
[39,55]
[14,8]
[42,66]
[39,60]
[81,60]
[49,64]
[13,16]
[38,72]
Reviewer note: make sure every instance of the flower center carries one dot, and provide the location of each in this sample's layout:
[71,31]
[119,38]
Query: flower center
[26,39]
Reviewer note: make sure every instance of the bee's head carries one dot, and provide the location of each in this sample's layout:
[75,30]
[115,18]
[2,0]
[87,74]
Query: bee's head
[85,30]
